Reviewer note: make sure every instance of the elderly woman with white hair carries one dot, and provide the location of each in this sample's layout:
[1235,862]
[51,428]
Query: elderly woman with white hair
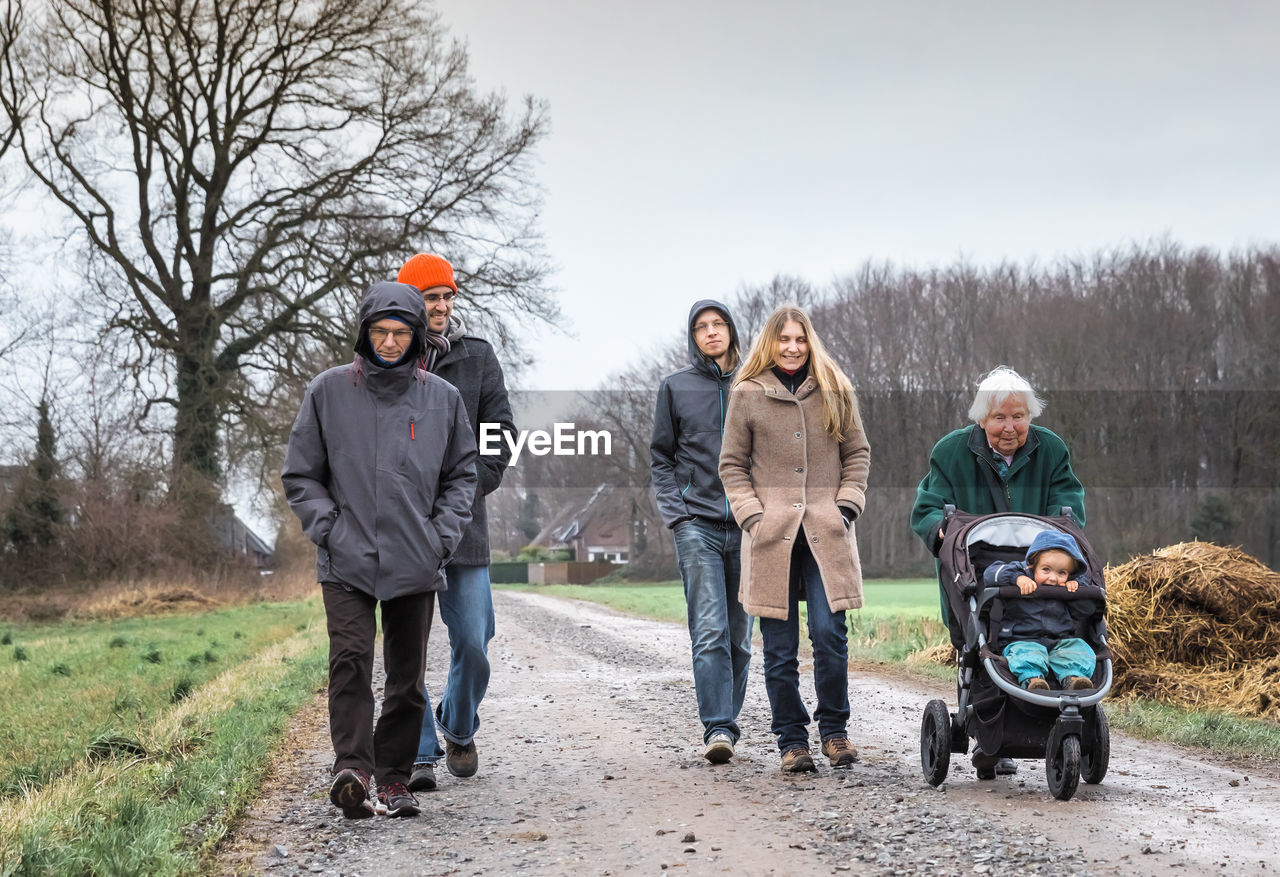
[1002,463]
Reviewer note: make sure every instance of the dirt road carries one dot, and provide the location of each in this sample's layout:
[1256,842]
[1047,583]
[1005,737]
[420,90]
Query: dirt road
[590,764]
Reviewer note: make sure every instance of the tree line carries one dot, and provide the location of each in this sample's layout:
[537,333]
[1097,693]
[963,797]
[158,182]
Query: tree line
[1158,364]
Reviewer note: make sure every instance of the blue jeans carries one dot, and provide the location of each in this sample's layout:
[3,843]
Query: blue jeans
[829,638]
[719,628]
[467,611]
[1068,657]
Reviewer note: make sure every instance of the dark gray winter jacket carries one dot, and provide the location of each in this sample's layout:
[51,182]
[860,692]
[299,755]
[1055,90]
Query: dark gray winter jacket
[473,368]
[688,425]
[381,463]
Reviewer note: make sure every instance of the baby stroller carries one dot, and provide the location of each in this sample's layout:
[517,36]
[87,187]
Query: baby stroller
[1066,728]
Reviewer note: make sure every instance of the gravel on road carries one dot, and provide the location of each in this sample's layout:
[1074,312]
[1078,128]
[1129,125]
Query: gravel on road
[590,763]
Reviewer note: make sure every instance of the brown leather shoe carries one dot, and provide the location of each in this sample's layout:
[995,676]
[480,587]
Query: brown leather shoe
[462,761]
[839,751]
[1077,683]
[1037,683]
[797,760]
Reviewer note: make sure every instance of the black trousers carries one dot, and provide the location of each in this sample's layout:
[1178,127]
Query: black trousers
[388,750]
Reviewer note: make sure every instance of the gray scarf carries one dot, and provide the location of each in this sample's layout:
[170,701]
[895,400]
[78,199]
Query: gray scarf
[440,343]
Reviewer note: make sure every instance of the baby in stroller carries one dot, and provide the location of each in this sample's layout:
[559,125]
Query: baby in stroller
[1033,662]
[1038,634]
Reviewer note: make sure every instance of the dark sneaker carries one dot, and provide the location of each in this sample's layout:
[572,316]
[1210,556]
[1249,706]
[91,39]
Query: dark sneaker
[350,791]
[839,751]
[1037,683]
[1006,767]
[797,760]
[462,761]
[1077,683]
[423,778]
[719,748]
[395,799]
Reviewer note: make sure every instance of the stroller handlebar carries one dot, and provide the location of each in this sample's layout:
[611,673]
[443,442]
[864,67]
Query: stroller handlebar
[1011,592]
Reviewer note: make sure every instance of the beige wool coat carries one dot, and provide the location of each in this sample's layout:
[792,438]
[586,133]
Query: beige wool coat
[780,469]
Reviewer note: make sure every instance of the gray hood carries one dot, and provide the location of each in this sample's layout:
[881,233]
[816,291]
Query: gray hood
[399,301]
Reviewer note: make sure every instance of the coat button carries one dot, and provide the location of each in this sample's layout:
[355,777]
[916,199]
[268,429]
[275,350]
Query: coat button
[815,538]
[797,505]
[797,435]
[799,468]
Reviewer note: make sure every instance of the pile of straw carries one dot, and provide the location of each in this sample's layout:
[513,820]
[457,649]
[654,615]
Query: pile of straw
[1197,625]
[942,653]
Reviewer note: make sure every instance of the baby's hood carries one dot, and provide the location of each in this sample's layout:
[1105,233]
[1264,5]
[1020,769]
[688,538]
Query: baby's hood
[1047,539]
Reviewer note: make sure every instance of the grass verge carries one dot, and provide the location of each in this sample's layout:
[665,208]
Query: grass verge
[161,755]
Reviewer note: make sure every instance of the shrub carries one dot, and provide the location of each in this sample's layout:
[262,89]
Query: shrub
[20,654]
[533,554]
[60,670]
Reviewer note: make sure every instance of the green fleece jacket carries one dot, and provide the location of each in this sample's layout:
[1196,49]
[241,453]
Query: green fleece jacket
[1039,481]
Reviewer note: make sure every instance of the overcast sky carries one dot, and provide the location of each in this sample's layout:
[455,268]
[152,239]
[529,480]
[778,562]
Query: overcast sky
[698,146]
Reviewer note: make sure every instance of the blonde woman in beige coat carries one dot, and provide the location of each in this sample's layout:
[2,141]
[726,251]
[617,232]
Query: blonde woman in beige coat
[794,464]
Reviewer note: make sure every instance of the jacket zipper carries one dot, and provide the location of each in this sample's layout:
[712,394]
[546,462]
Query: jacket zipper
[720,385]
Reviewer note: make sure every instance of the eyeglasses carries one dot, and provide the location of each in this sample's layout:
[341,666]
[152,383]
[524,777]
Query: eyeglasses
[402,336]
[718,325]
[434,297]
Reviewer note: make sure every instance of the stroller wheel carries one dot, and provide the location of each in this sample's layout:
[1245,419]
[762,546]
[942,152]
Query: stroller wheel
[1093,763]
[935,742]
[1062,766]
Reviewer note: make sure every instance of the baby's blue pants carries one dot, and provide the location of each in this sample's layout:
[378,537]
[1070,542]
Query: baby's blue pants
[1068,657]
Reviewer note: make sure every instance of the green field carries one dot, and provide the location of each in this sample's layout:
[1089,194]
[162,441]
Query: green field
[128,747]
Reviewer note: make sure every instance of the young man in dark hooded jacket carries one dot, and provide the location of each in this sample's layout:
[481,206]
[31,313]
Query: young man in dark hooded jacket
[467,362]
[688,425]
[381,472]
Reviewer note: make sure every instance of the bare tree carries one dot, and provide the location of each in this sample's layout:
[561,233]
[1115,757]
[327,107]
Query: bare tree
[752,304]
[240,169]
[18,324]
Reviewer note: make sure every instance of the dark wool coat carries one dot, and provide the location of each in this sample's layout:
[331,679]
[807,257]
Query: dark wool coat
[381,467]
[473,368]
[781,469]
[688,421]
[1039,481]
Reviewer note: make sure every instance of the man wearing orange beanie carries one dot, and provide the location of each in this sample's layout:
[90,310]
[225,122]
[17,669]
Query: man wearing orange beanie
[466,606]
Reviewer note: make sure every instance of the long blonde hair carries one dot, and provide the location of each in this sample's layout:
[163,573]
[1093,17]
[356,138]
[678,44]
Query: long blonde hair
[839,403]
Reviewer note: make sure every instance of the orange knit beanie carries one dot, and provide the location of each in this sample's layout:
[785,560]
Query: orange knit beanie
[426,270]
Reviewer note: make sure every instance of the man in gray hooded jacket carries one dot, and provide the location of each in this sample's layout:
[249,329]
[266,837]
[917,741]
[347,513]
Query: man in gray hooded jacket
[688,426]
[381,471]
